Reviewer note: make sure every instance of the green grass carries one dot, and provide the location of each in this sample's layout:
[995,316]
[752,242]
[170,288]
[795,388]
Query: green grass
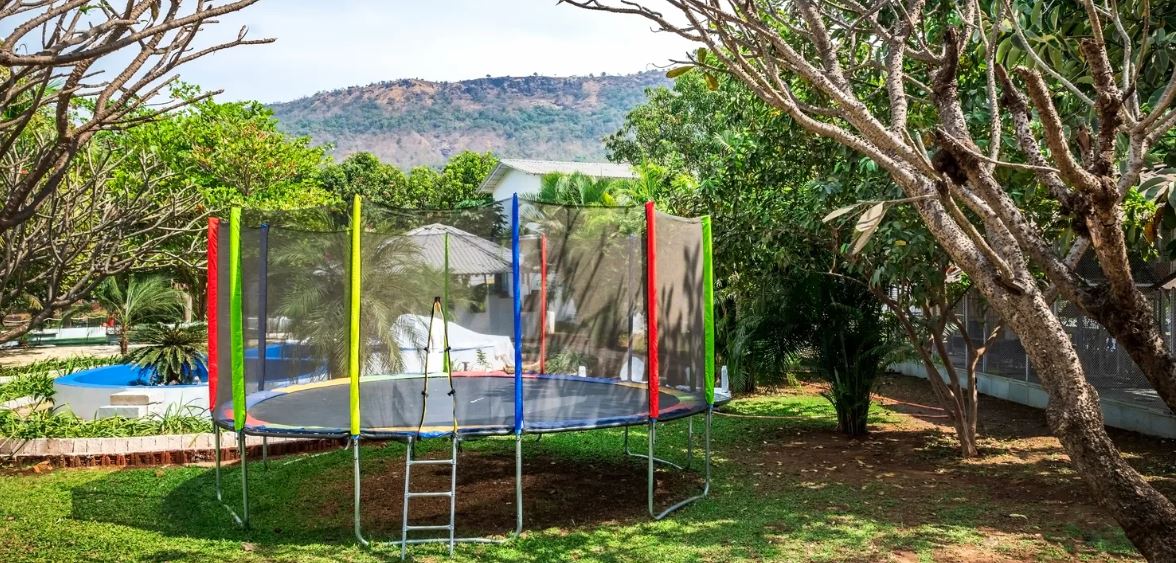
[170,514]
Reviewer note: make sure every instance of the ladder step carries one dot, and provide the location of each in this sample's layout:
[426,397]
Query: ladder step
[438,494]
[432,462]
[436,527]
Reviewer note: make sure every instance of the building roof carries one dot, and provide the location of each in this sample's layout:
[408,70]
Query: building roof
[541,167]
[468,254]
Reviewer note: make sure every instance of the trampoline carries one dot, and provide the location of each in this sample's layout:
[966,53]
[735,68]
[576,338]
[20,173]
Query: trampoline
[518,317]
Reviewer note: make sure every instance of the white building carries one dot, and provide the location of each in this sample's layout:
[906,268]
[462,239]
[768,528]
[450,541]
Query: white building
[516,176]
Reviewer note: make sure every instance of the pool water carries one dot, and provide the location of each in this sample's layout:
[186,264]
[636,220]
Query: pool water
[118,375]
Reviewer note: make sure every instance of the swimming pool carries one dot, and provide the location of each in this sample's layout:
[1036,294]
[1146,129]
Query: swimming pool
[88,391]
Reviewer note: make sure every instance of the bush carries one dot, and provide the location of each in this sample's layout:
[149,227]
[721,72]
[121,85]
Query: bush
[840,323]
[174,353]
[36,379]
[53,424]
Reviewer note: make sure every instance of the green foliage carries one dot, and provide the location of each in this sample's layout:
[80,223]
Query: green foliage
[851,342]
[36,379]
[579,189]
[58,366]
[174,353]
[455,185]
[53,424]
[138,300]
[758,179]
[38,385]
[235,155]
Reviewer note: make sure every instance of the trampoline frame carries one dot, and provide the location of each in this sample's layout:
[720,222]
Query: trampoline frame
[235,323]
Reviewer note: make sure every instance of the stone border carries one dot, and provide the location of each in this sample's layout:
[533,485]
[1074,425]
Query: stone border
[1116,413]
[149,450]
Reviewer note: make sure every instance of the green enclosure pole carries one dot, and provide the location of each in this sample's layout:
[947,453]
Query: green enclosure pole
[236,320]
[708,309]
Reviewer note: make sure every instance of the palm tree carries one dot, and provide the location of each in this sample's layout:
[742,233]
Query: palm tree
[173,353]
[138,301]
[577,189]
[309,273]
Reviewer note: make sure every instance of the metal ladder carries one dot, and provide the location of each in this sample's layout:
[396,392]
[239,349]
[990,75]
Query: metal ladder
[409,494]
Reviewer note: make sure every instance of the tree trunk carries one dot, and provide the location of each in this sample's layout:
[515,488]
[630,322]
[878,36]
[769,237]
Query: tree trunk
[1074,416]
[124,342]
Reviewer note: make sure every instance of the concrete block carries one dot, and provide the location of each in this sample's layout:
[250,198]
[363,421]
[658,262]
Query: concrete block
[129,398]
[127,411]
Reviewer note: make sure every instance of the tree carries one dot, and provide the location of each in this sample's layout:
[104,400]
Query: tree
[839,323]
[116,210]
[236,155]
[363,174]
[460,179]
[51,61]
[137,301]
[820,63]
[224,155]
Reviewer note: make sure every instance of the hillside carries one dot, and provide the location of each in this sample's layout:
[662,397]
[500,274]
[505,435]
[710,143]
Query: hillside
[410,122]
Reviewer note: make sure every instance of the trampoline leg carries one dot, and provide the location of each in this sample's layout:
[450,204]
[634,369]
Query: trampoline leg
[265,452]
[216,444]
[244,479]
[404,516]
[628,452]
[689,441]
[220,497]
[706,482]
[519,483]
[356,506]
[652,437]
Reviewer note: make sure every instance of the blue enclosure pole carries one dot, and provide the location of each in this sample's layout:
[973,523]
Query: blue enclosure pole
[262,313]
[517,283]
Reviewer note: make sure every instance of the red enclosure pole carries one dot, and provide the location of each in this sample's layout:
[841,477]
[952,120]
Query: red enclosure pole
[211,303]
[651,307]
[543,303]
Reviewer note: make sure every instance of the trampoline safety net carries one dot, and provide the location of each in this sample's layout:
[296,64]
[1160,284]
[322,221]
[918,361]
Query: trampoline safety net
[511,317]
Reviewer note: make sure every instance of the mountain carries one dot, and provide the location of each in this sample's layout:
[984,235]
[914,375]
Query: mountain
[411,122]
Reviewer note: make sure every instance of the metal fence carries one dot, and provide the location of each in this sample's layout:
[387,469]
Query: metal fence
[1107,365]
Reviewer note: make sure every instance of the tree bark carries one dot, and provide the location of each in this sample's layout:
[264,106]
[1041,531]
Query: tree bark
[1075,417]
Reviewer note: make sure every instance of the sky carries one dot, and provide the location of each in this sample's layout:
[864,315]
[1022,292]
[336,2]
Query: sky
[323,45]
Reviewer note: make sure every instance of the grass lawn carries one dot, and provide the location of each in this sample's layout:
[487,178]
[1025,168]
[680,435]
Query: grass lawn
[785,488]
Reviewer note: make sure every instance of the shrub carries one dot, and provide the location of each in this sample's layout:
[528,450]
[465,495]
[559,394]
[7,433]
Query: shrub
[174,353]
[840,325]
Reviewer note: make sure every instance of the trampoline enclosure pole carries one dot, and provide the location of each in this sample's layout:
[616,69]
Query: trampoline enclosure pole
[543,303]
[517,283]
[651,312]
[236,320]
[262,312]
[353,315]
[211,303]
[708,309]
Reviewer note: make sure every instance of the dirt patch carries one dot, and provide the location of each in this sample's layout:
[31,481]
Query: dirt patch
[556,493]
[1023,480]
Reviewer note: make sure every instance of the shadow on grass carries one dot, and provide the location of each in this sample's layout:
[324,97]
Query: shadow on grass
[827,498]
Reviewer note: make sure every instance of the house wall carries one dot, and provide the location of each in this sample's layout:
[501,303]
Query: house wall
[516,182]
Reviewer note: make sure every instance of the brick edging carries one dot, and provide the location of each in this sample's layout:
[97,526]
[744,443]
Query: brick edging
[149,450]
